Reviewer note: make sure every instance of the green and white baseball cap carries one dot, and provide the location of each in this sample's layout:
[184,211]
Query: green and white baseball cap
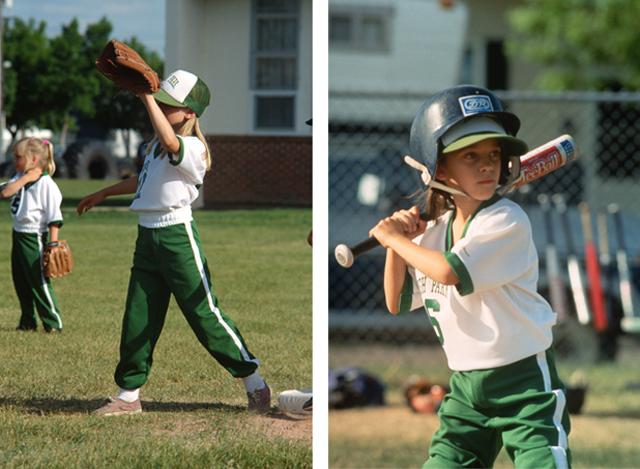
[184,89]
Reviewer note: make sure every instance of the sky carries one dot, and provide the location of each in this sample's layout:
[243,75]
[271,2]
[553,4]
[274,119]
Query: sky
[144,19]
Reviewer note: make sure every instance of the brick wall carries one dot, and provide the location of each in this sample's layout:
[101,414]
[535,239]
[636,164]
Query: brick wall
[250,170]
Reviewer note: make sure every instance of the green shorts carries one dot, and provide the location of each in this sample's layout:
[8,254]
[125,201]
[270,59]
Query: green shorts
[520,406]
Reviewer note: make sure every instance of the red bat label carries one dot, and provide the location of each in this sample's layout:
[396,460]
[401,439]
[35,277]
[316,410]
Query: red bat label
[546,159]
[540,165]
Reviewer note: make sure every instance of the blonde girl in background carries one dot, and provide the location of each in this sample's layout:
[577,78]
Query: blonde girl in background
[168,257]
[35,209]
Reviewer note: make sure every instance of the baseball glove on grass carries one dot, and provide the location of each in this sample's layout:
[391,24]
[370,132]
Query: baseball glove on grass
[124,66]
[58,260]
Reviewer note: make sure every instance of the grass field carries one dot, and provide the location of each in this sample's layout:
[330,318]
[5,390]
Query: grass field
[604,435]
[194,411]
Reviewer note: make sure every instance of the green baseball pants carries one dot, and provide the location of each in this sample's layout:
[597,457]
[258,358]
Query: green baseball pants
[520,406]
[169,261]
[34,290]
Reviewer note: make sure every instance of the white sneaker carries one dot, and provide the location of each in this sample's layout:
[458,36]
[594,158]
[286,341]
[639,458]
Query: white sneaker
[296,401]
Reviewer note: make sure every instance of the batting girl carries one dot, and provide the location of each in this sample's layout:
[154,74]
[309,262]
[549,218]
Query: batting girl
[168,258]
[474,268]
[35,209]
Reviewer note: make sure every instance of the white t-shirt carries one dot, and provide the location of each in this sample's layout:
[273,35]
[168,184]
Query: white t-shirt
[168,186]
[494,316]
[36,206]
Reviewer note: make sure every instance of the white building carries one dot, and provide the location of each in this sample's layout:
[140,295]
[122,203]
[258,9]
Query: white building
[256,58]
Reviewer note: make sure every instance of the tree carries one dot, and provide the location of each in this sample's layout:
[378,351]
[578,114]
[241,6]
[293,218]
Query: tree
[26,49]
[585,44]
[54,82]
[71,80]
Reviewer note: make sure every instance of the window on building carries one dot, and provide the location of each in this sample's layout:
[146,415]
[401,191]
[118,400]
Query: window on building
[467,67]
[497,66]
[274,70]
[485,64]
[360,28]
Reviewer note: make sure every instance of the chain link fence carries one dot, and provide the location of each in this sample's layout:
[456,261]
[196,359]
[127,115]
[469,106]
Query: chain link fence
[368,180]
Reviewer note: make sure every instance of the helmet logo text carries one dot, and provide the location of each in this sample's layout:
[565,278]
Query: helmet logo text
[475,105]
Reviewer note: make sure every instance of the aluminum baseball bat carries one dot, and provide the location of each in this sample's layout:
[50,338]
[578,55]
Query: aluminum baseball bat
[594,274]
[630,322]
[573,265]
[606,264]
[557,294]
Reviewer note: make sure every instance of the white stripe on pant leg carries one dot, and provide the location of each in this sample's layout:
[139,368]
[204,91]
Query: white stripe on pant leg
[561,401]
[43,282]
[560,455]
[544,369]
[559,451]
[207,287]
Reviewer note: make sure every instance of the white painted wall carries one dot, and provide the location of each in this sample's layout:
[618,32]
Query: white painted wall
[212,38]
[427,43]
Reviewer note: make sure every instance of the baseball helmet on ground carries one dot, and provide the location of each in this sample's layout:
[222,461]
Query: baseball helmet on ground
[461,116]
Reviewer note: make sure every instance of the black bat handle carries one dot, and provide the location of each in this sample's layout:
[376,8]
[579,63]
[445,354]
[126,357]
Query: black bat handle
[345,255]
[364,246]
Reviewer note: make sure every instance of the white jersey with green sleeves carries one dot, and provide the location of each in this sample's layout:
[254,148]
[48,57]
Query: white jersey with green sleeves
[171,182]
[36,206]
[494,316]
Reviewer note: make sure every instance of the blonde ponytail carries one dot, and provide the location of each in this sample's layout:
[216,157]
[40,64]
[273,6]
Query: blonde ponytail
[49,165]
[207,151]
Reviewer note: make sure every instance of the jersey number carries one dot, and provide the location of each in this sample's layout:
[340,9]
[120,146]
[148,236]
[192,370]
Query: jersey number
[15,202]
[433,306]
[142,177]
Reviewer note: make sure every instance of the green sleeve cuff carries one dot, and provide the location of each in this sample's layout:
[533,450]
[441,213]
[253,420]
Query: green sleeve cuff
[465,286]
[180,154]
[406,297]
[56,222]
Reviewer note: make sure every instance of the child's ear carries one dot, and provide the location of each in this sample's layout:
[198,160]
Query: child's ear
[190,114]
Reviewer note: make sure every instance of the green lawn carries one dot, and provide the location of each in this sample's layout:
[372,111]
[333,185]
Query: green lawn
[194,411]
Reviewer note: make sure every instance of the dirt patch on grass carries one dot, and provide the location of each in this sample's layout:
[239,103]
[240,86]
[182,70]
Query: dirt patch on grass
[274,425]
[287,426]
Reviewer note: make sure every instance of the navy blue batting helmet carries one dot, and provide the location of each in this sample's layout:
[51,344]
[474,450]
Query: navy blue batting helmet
[458,117]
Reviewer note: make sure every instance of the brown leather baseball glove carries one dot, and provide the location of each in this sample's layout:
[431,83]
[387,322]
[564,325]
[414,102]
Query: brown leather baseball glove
[124,66]
[58,260]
